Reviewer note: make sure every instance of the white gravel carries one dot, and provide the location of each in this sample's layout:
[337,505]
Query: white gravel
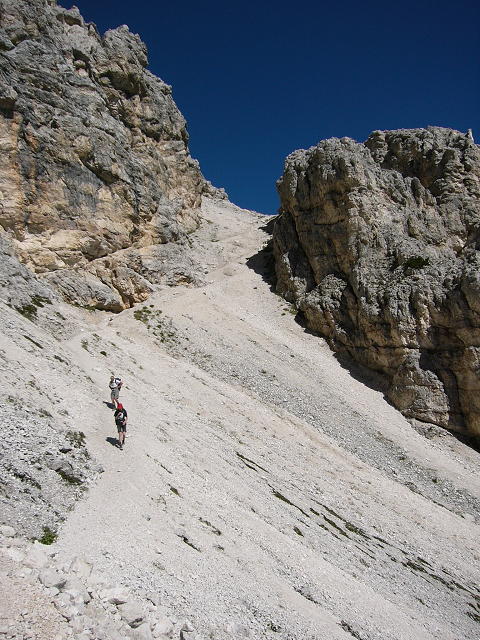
[263,491]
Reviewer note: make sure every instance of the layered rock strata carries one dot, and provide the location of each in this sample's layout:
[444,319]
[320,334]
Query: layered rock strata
[95,169]
[378,246]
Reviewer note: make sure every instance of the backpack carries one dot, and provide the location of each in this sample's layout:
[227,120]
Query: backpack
[120,417]
[116,382]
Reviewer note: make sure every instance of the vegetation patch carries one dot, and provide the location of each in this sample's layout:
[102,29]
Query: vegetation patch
[281,497]
[360,532]
[40,301]
[49,536]
[249,462]
[143,314]
[24,477]
[474,616]
[292,309]
[305,592]
[161,327]
[69,478]
[29,310]
[346,627]
[416,262]
[190,544]
[76,438]
[37,344]
[335,526]
[208,524]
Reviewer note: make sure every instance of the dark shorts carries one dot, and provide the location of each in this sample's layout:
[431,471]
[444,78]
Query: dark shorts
[121,427]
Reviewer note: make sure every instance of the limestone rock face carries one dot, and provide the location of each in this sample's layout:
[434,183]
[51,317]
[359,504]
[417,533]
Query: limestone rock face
[378,245]
[94,158]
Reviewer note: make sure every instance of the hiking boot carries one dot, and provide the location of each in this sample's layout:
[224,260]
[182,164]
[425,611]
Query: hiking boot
[120,447]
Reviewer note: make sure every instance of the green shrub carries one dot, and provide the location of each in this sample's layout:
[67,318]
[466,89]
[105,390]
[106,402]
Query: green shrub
[415,262]
[29,311]
[48,536]
[143,314]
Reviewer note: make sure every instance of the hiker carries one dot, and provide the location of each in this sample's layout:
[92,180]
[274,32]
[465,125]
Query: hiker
[115,386]
[121,422]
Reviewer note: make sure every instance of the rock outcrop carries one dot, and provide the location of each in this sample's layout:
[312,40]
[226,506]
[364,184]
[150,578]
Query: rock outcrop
[95,174]
[378,246]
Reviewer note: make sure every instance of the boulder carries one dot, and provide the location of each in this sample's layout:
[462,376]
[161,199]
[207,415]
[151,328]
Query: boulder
[142,632]
[37,556]
[377,244]
[76,589]
[17,555]
[132,612]
[185,630]
[7,531]
[115,595]
[49,577]
[81,568]
[163,627]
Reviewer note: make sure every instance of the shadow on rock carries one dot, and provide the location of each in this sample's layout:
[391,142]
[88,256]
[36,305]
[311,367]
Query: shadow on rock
[366,376]
[263,262]
[268,227]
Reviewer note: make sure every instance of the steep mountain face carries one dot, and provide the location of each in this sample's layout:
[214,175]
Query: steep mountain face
[95,172]
[378,246]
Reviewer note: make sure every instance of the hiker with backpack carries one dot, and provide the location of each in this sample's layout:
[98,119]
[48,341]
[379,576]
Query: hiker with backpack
[121,422]
[115,385]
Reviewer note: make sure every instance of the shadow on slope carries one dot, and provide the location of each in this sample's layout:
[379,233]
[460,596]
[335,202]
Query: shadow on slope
[263,262]
[368,377]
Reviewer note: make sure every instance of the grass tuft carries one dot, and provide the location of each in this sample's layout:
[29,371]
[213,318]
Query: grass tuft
[49,536]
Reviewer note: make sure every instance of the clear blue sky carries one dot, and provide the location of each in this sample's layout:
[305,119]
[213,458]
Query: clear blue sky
[257,80]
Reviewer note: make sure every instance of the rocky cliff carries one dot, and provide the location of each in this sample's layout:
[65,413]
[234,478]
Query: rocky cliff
[378,246]
[95,176]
